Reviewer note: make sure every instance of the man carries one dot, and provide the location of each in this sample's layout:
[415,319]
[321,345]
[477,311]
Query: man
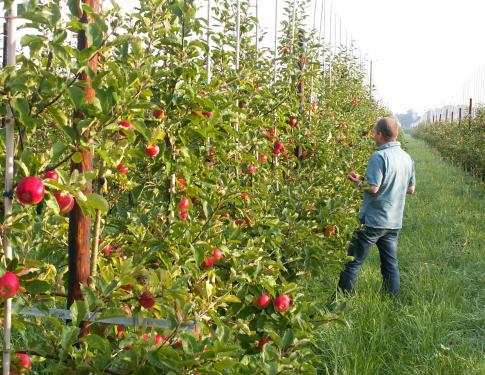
[389,176]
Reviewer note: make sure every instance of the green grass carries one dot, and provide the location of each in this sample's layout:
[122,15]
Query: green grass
[438,324]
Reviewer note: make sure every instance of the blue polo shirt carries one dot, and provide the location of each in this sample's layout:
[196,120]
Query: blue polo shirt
[392,169]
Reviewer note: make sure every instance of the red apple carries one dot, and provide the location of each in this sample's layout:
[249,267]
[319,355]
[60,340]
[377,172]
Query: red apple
[146,300]
[65,201]
[21,363]
[238,222]
[208,262]
[184,204]
[127,287]
[292,121]
[276,151]
[51,175]
[207,114]
[108,249]
[244,195]
[183,215]
[330,230]
[272,132]
[9,285]
[159,114]
[285,50]
[122,169]
[251,169]
[262,301]
[246,220]
[127,310]
[278,145]
[262,158]
[282,303]
[217,254]
[152,151]
[30,190]
[119,330]
[262,343]
[126,124]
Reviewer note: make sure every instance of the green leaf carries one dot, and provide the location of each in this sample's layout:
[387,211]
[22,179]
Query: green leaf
[77,157]
[94,35]
[21,108]
[98,343]
[37,286]
[288,339]
[75,7]
[77,96]
[230,299]
[69,337]
[97,202]
[58,149]
[79,312]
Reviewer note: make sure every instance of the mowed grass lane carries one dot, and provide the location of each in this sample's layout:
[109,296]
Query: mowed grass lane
[438,324]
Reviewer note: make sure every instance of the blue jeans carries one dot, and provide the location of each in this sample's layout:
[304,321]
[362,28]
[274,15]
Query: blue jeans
[386,241]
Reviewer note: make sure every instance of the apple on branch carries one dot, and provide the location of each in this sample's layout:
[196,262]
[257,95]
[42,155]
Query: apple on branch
[30,190]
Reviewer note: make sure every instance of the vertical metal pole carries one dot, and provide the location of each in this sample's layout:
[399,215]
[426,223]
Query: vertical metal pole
[446,115]
[275,159]
[330,48]
[238,48]
[275,42]
[209,46]
[315,16]
[340,32]
[370,81]
[257,28]
[293,24]
[470,113]
[9,48]
[313,31]
[335,35]
[459,116]
[452,117]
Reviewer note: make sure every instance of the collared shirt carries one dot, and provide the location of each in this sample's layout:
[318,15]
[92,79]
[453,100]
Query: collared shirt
[392,169]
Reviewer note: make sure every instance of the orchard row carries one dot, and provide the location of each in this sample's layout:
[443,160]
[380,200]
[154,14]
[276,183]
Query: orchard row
[208,205]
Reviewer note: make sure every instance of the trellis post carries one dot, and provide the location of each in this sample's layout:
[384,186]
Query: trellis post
[10,59]
[209,46]
[470,108]
[79,224]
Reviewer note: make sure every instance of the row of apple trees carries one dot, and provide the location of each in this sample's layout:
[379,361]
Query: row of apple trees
[461,143]
[214,200]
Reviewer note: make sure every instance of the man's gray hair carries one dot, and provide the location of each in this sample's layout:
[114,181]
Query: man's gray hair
[389,127]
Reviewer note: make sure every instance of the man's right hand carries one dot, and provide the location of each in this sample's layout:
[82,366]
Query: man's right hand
[355,178]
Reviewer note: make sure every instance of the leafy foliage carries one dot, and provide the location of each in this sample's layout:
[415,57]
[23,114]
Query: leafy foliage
[150,72]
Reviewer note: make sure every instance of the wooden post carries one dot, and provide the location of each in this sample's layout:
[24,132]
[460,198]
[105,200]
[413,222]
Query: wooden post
[452,117]
[440,117]
[79,224]
[459,116]
[446,115]
[9,59]
[470,113]
[5,42]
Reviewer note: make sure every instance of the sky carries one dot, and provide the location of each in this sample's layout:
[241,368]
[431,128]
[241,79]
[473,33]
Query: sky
[426,53]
